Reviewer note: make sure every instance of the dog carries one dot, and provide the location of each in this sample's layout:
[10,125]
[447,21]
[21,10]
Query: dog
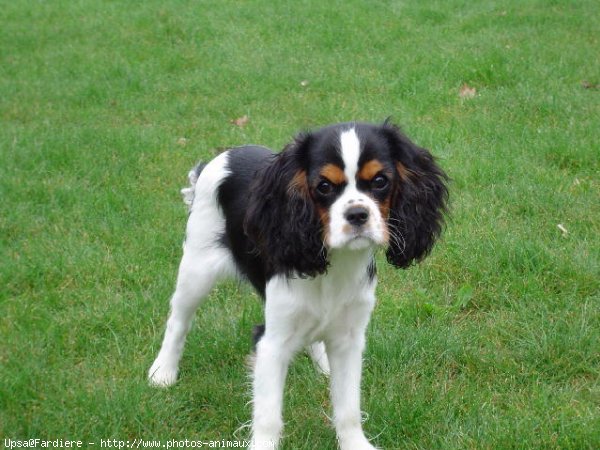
[302,226]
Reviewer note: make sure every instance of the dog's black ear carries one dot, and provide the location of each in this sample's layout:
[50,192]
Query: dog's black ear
[419,201]
[282,220]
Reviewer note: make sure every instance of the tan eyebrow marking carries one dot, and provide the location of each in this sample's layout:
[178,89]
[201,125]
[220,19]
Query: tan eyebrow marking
[333,173]
[370,169]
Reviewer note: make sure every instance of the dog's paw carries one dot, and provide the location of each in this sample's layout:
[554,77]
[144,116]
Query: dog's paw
[365,446]
[263,443]
[359,446]
[356,443]
[161,375]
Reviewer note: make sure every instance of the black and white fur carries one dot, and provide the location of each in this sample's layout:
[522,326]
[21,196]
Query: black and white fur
[302,227]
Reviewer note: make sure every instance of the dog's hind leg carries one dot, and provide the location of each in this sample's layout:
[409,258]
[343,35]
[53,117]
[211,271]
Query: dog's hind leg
[204,262]
[318,354]
[197,275]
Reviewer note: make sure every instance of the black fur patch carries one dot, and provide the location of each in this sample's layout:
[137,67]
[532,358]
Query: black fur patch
[419,202]
[282,219]
[233,196]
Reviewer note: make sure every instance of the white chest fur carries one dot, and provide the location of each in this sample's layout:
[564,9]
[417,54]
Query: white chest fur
[325,307]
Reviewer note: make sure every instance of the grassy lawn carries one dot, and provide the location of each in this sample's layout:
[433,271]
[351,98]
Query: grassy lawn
[492,343]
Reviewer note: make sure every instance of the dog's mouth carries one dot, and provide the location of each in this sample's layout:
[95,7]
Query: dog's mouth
[361,238]
[360,242]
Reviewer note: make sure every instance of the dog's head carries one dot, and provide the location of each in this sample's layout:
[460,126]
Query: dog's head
[350,186]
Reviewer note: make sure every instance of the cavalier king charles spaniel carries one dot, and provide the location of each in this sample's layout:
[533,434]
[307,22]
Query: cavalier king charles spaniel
[302,226]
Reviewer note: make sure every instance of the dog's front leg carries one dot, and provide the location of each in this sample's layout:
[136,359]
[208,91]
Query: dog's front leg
[345,358]
[272,360]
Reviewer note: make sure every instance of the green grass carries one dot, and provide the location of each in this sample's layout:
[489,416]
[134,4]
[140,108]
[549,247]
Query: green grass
[491,343]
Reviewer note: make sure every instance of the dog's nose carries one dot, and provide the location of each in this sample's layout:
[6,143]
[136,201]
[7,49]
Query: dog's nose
[357,215]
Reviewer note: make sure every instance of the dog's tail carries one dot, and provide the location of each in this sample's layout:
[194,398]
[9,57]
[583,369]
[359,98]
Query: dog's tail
[189,192]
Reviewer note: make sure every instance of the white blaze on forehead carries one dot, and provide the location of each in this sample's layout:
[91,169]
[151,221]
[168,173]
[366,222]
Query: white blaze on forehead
[350,149]
[341,232]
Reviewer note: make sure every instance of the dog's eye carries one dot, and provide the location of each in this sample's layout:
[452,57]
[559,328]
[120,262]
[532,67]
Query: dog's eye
[379,182]
[325,188]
